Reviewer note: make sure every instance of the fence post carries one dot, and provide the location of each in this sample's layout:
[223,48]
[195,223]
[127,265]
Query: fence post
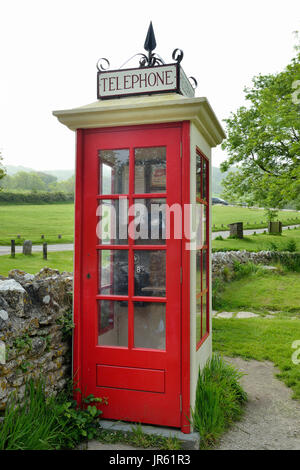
[45,250]
[12,248]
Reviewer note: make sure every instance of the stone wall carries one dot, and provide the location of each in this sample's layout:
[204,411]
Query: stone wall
[221,259]
[33,315]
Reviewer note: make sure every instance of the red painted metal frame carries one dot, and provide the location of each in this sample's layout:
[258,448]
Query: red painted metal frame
[82,191]
[185,287]
[77,350]
[206,247]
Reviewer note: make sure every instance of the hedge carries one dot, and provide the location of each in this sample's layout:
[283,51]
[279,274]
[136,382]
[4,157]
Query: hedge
[35,197]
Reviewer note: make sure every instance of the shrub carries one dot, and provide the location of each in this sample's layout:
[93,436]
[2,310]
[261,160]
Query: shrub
[219,400]
[291,261]
[245,269]
[219,237]
[217,288]
[38,422]
[35,197]
[273,246]
[291,246]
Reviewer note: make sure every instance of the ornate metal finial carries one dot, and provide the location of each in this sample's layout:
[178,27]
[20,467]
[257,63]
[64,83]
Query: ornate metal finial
[150,41]
[149,46]
[150,60]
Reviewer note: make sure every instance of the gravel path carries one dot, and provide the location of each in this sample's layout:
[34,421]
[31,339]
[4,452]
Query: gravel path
[5,250]
[225,233]
[272,419]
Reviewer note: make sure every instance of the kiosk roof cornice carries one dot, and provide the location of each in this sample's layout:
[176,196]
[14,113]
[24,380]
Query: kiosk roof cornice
[144,110]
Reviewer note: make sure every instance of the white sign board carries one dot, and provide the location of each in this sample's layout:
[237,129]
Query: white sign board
[141,81]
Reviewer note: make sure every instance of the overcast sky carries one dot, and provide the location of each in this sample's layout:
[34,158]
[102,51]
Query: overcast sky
[49,51]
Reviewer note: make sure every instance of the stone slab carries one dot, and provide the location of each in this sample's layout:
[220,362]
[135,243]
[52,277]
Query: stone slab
[246,315]
[187,441]
[225,315]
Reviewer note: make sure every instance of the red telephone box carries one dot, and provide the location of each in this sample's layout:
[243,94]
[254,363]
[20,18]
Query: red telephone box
[142,285]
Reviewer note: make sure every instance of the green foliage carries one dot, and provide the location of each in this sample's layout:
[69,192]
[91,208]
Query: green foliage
[35,197]
[291,262]
[273,246]
[67,323]
[291,246]
[264,142]
[137,438]
[23,343]
[271,214]
[82,423]
[2,170]
[217,288]
[36,181]
[219,237]
[29,425]
[219,400]
[38,422]
[246,269]
[227,273]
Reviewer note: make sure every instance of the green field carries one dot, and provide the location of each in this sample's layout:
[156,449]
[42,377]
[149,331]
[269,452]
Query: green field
[261,339]
[252,218]
[263,291]
[62,260]
[32,221]
[260,242]
[50,220]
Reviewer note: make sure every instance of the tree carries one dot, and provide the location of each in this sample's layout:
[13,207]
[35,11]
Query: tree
[264,141]
[48,179]
[2,169]
[28,181]
[66,186]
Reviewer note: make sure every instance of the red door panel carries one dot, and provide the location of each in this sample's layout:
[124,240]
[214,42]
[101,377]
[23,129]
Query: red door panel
[130,315]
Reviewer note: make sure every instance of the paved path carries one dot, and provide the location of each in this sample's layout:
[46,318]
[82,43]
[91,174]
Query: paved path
[272,419]
[225,233]
[5,250]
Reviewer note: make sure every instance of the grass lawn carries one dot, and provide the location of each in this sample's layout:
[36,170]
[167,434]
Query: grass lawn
[261,339]
[32,221]
[259,242]
[227,215]
[62,260]
[263,291]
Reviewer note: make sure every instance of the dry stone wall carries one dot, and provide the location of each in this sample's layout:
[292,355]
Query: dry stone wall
[220,259]
[33,315]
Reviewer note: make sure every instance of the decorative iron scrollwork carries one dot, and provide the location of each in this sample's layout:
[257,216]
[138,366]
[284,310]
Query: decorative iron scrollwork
[150,60]
[193,82]
[103,64]
[177,55]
